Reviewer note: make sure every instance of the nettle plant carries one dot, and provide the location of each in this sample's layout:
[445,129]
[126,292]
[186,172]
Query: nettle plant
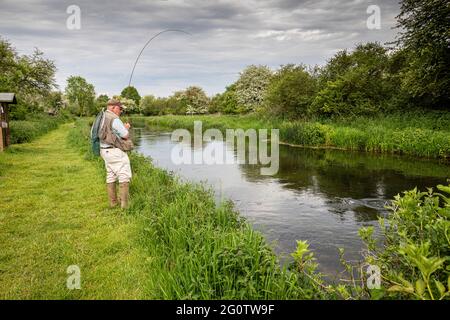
[414,257]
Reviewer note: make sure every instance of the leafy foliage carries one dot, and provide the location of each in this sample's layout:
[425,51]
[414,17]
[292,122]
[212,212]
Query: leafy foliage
[31,77]
[195,100]
[130,104]
[251,86]
[425,36]
[101,103]
[81,93]
[290,92]
[226,102]
[35,126]
[131,93]
[355,84]
[415,256]
[148,106]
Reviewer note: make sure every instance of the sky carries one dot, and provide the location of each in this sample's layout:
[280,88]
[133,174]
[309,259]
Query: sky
[224,37]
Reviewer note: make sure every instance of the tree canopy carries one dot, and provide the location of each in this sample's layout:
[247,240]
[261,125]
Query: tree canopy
[251,86]
[81,93]
[131,93]
[31,77]
[425,34]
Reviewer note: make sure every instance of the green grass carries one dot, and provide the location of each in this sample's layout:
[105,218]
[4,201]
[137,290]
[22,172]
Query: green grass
[53,213]
[417,134]
[199,250]
[172,243]
[35,126]
[221,122]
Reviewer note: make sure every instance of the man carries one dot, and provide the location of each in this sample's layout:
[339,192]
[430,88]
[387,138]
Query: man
[114,142]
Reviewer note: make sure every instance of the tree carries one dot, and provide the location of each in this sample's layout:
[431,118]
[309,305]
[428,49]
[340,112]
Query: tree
[80,92]
[175,103]
[101,102]
[357,83]
[26,75]
[251,86]
[31,77]
[290,92]
[162,106]
[426,37]
[195,100]
[148,105]
[131,93]
[226,102]
[130,104]
[8,67]
[54,102]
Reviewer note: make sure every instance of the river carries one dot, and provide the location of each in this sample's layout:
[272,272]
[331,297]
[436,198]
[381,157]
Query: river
[323,196]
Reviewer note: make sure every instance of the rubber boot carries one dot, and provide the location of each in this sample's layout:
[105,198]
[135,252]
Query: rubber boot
[124,190]
[111,187]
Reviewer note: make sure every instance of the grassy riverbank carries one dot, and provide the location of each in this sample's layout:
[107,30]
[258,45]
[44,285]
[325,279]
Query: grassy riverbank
[172,243]
[35,126]
[53,214]
[199,250]
[416,134]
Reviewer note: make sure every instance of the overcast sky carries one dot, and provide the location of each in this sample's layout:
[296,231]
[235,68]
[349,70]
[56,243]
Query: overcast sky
[226,36]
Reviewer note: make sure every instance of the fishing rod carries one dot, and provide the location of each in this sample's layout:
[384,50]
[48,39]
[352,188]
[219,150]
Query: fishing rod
[148,42]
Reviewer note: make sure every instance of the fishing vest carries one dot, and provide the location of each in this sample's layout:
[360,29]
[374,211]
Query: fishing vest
[107,135]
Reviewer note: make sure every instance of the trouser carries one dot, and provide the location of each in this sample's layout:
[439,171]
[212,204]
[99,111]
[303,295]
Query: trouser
[117,165]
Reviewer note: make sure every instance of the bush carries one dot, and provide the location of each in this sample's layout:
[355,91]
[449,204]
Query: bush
[226,102]
[304,133]
[27,130]
[148,106]
[290,92]
[358,83]
[414,257]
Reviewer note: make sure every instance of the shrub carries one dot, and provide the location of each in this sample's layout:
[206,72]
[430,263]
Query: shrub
[358,83]
[148,106]
[414,257]
[27,130]
[304,133]
[290,92]
[226,102]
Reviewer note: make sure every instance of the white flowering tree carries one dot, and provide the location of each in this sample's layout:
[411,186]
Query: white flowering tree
[129,104]
[251,86]
[195,100]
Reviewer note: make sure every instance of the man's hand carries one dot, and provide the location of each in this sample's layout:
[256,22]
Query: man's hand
[127,125]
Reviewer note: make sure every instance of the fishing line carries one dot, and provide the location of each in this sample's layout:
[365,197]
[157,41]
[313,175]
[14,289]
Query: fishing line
[148,42]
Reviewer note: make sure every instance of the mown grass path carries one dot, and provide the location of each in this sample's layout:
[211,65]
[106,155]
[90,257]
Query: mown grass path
[53,214]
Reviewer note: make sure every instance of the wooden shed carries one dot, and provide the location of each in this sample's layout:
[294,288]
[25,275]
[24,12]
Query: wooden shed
[5,100]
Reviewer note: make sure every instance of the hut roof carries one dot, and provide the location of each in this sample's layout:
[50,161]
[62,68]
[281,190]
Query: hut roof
[8,98]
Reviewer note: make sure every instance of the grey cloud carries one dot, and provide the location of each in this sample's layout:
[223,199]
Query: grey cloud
[226,36]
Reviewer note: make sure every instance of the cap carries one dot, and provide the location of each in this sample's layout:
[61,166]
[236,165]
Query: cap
[115,102]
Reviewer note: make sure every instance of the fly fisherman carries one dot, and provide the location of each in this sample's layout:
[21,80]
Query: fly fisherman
[114,142]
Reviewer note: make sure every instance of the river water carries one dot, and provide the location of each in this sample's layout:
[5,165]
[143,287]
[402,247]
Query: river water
[323,196]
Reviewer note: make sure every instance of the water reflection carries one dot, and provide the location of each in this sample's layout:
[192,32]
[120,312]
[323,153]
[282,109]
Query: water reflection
[323,196]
